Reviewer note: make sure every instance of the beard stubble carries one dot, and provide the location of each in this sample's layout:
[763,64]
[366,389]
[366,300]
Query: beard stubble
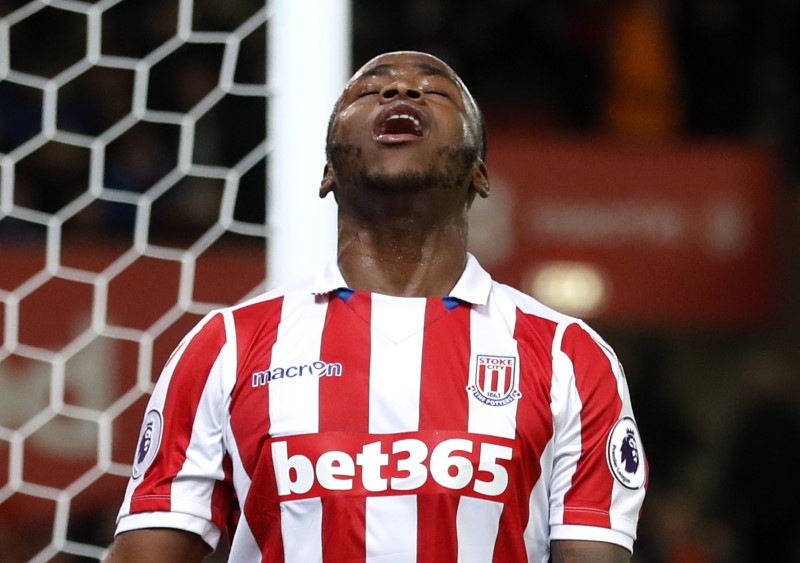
[452,174]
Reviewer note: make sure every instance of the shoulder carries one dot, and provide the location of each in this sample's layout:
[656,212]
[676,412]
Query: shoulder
[277,293]
[532,316]
[253,314]
[271,300]
[526,305]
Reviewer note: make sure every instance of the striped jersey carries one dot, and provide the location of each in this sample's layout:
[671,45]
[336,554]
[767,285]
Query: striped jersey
[320,423]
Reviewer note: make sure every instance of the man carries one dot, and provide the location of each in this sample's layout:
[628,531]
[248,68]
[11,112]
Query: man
[400,406]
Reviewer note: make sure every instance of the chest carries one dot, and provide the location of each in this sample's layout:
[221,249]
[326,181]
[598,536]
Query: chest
[420,369]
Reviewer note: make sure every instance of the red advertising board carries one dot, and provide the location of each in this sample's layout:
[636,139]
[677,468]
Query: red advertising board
[675,236]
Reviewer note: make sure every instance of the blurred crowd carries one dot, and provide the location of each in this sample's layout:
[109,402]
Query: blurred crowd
[655,69]
[721,447]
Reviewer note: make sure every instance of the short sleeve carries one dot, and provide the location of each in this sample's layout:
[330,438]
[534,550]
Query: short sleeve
[181,476]
[599,469]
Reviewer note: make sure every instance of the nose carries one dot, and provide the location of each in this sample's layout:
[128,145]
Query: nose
[400,88]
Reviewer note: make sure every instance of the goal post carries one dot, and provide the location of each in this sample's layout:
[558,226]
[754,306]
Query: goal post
[158,159]
[307,73]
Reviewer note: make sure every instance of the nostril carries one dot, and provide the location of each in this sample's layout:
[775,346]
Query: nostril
[391,91]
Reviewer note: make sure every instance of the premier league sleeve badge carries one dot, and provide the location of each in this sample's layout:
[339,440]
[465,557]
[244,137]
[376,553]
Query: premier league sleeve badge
[624,454]
[148,444]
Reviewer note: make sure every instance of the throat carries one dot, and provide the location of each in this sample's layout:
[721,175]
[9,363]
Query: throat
[401,267]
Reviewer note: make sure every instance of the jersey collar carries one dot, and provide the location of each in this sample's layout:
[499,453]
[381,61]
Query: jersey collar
[473,286]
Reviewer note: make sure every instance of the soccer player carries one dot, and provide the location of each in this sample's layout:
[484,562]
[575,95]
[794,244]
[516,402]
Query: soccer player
[401,405]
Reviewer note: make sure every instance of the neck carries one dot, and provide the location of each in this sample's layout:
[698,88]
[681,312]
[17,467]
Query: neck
[401,257]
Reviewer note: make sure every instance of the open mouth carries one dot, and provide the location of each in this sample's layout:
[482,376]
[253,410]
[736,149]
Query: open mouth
[399,123]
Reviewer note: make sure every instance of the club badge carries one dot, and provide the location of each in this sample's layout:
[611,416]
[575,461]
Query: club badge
[495,380]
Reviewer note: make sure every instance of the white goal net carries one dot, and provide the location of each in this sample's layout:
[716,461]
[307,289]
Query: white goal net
[135,148]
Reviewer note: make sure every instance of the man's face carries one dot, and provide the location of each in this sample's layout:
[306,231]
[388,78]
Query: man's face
[405,115]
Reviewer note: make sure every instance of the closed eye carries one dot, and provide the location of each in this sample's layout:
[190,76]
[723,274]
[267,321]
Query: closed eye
[367,93]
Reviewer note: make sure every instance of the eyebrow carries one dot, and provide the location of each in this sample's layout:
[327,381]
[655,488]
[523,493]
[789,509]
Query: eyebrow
[386,69]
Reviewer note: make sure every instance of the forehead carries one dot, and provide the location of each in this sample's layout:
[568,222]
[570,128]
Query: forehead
[396,63]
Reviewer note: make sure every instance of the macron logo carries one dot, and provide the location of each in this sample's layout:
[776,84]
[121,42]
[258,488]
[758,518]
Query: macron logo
[318,368]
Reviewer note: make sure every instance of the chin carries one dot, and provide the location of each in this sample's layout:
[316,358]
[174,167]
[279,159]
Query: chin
[404,180]
[389,172]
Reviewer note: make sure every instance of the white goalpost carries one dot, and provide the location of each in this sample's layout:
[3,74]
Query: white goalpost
[151,170]
[309,70]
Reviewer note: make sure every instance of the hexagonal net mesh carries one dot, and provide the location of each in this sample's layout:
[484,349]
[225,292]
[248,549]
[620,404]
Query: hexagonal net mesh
[132,201]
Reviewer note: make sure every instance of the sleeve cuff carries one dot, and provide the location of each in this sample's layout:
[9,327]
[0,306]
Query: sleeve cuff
[177,520]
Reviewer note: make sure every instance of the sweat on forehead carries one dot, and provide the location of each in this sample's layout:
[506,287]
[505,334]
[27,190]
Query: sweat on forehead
[426,63]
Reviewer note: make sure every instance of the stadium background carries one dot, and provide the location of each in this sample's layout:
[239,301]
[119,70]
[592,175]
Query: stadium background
[646,172]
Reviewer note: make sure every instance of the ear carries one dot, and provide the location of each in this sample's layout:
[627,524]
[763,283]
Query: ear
[328,181]
[480,180]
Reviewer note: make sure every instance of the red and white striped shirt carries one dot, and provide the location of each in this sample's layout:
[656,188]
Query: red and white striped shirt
[318,423]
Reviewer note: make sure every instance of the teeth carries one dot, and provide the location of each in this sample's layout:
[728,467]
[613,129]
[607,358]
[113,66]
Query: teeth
[405,116]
